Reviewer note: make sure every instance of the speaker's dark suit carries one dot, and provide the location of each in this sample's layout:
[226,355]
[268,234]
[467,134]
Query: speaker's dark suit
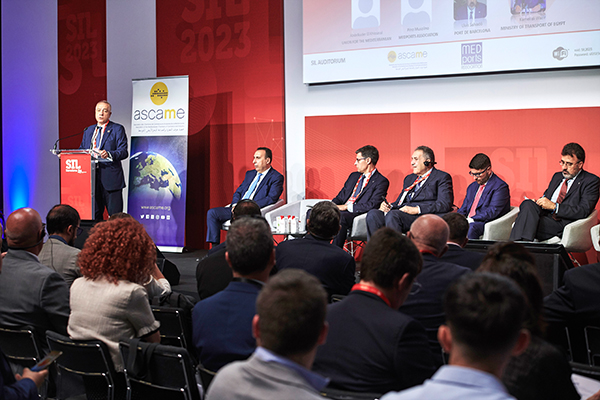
[370,198]
[575,304]
[435,196]
[425,302]
[372,347]
[535,223]
[268,191]
[222,325]
[493,203]
[465,258]
[333,266]
[109,175]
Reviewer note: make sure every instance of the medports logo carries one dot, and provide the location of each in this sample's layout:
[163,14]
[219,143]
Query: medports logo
[159,93]
[392,56]
[560,53]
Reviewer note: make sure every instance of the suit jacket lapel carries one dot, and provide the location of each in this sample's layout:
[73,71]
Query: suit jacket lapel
[371,183]
[575,184]
[423,185]
[262,180]
[107,131]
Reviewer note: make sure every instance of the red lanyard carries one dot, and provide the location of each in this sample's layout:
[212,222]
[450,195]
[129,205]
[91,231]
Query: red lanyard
[371,289]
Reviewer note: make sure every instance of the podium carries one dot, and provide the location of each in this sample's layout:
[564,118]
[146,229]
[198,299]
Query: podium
[78,180]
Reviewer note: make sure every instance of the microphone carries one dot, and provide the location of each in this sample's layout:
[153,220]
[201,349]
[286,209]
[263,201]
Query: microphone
[386,202]
[59,139]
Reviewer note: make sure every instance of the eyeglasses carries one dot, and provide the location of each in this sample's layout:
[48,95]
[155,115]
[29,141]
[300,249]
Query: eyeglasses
[567,163]
[43,231]
[360,159]
[415,288]
[478,174]
[79,231]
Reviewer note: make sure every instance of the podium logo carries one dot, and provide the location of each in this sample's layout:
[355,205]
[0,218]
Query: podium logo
[73,166]
[560,53]
[159,93]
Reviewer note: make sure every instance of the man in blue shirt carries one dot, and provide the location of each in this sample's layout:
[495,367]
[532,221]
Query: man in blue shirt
[484,316]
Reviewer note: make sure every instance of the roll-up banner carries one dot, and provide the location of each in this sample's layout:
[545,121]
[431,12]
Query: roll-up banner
[158,163]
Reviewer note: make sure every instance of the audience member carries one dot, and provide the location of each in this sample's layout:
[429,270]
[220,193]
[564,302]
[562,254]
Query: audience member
[571,195]
[487,198]
[484,318]
[316,255]
[213,273]
[59,252]
[362,191]
[426,191]
[263,185]
[542,371]
[289,325]
[574,305]
[222,323]
[19,387]
[109,303]
[430,234]
[457,239]
[31,293]
[372,347]
[157,285]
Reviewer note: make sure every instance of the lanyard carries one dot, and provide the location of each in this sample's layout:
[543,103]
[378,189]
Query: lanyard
[371,289]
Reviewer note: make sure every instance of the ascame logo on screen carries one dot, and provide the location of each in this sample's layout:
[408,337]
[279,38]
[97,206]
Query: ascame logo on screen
[159,95]
[407,55]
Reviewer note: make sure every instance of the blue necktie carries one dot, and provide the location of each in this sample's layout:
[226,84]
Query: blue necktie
[359,186]
[252,187]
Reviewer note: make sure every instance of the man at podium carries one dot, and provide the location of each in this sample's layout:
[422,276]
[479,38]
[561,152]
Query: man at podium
[110,141]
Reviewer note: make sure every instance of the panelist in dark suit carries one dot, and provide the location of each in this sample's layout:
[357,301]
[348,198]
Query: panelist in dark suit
[362,191]
[571,195]
[470,10]
[457,240]
[371,346]
[316,255]
[110,140]
[264,185]
[426,191]
[487,198]
[222,323]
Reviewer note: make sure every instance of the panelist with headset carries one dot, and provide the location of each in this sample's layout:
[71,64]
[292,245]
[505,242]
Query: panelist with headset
[426,191]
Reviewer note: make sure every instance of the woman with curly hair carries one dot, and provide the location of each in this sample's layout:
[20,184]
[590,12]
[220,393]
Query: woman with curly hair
[109,302]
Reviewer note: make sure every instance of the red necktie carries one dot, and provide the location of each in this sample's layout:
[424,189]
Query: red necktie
[562,193]
[476,201]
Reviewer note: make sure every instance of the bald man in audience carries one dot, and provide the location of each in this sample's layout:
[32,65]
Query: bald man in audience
[457,240]
[430,234]
[31,293]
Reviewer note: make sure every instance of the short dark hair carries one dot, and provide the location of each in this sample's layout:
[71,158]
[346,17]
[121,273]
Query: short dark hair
[245,207]
[573,150]
[427,153]
[388,255]
[514,261]
[485,313]
[480,161]
[369,151]
[459,227]
[268,152]
[324,221]
[60,217]
[249,244]
[291,309]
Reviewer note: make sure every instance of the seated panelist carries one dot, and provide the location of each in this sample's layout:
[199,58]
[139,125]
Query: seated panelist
[264,185]
[362,191]
[487,198]
[426,191]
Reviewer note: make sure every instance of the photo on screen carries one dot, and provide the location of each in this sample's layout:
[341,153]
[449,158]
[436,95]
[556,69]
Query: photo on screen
[470,9]
[527,6]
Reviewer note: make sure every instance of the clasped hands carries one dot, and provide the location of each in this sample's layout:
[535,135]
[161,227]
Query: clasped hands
[545,203]
[386,207]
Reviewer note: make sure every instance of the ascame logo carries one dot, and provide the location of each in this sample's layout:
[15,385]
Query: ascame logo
[159,93]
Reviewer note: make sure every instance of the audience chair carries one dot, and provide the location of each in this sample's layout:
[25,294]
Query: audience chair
[576,236]
[167,373]
[338,394]
[592,342]
[263,212]
[206,376]
[174,329]
[297,209]
[499,229]
[586,370]
[358,233]
[595,234]
[89,359]
[20,346]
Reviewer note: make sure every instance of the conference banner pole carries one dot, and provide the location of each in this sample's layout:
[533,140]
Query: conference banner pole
[158,165]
